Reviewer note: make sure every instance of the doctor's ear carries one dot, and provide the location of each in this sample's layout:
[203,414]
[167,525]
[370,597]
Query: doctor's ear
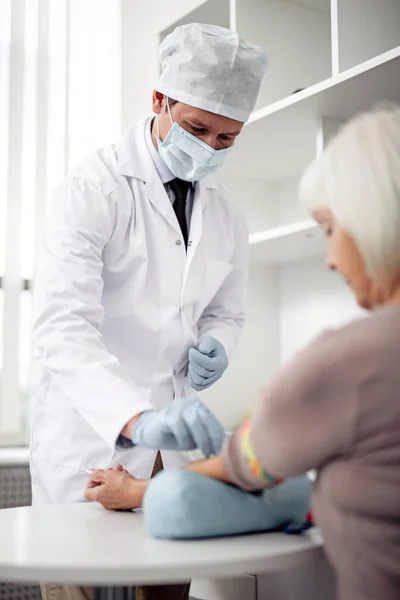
[158,102]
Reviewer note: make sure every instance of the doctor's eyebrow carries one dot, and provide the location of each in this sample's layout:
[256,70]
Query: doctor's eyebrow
[200,125]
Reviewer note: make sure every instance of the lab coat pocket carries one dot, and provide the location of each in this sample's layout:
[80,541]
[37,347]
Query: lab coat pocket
[216,273]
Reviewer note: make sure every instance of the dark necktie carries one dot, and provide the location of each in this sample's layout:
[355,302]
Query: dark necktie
[180,189]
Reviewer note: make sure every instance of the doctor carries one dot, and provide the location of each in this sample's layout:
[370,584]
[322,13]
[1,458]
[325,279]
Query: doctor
[143,277]
[140,292]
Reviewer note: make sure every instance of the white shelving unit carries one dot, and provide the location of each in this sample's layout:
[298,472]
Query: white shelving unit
[280,139]
[328,60]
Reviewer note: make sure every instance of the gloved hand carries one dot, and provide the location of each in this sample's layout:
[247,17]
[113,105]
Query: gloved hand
[207,363]
[186,424]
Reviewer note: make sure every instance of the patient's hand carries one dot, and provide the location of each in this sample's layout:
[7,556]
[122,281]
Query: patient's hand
[115,489]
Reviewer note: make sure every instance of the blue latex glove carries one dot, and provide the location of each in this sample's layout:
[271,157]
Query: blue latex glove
[207,363]
[186,424]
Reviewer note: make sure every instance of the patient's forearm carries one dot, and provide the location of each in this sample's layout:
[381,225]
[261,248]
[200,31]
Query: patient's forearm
[211,467]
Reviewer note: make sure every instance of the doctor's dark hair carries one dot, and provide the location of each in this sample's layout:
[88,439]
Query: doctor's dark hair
[171,102]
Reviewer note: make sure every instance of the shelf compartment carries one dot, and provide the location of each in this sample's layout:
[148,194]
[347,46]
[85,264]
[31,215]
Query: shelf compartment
[365,29]
[287,244]
[213,12]
[296,36]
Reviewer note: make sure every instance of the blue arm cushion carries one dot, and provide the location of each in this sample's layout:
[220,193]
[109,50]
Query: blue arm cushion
[180,504]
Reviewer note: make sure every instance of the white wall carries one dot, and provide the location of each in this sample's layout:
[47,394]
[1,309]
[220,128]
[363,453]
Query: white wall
[311,300]
[257,198]
[366,29]
[320,5]
[290,209]
[142,23]
[287,308]
[94,117]
[265,204]
[257,357]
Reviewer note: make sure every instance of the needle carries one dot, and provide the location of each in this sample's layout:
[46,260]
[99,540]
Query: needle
[87,471]
[90,471]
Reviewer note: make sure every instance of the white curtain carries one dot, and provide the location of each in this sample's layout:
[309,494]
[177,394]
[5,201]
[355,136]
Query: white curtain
[60,85]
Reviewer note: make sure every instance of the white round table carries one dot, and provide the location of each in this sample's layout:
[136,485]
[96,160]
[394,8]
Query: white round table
[84,544]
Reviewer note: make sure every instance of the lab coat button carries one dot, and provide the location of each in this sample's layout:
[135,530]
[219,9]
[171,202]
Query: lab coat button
[174,372]
[178,242]
[190,243]
[181,309]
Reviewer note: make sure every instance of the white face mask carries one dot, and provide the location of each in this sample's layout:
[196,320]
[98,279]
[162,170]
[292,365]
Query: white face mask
[186,156]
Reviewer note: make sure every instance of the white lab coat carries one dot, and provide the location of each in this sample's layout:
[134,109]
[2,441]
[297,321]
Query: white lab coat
[118,304]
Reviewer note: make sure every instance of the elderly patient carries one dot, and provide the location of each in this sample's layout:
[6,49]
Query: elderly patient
[336,406]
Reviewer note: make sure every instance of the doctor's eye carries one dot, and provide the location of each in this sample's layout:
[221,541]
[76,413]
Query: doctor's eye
[198,129]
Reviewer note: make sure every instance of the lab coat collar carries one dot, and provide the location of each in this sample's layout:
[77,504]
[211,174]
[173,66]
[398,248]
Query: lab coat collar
[164,173]
[135,160]
[133,157]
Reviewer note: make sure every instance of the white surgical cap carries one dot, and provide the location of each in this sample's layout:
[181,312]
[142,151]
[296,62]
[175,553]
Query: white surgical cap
[212,68]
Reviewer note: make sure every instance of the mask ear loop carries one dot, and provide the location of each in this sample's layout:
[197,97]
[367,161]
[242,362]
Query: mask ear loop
[170,116]
[158,129]
[169,111]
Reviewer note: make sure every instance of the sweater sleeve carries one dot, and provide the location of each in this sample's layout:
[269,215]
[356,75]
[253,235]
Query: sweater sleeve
[305,419]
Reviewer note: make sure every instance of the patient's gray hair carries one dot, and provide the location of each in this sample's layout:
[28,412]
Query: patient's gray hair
[357,177]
